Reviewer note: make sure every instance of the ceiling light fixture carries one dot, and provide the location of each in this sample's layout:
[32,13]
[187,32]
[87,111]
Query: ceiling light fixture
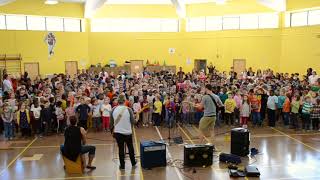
[51,2]
[220,2]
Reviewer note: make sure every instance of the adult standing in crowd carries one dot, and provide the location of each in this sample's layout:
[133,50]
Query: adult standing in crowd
[211,104]
[7,85]
[121,124]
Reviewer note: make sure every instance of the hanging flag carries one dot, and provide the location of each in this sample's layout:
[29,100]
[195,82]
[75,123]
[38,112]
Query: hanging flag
[155,62]
[147,63]
[51,43]
[158,64]
[164,63]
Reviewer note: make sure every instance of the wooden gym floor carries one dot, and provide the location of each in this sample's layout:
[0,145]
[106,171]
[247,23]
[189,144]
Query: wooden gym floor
[285,154]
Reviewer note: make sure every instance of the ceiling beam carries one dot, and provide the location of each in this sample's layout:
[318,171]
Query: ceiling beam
[5,2]
[91,6]
[180,8]
[277,5]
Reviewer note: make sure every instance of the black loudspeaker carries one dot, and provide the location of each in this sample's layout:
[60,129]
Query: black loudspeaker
[152,154]
[229,158]
[198,155]
[240,141]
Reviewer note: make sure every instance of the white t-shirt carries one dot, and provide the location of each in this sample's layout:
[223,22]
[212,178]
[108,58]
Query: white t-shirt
[272,102]
[96,111]
[313,79]
[106,109]
[7,85]
[36,111]
[124,124]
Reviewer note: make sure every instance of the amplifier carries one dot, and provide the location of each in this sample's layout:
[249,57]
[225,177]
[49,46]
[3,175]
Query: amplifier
[197,155]
[152,154]
[229,158]
[240,141]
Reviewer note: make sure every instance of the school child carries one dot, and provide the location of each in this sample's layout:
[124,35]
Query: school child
[295,106]
[170,111]
[185,110]
[157,111]
[230,105]
[60,117]
[96,115]
[46,119]
[23,120]
[83,111]
[306,110]
[7,118]
[315,115]
[36,111]
[286,111]
[145,113]
[70,112]
[106,109]
[245,109]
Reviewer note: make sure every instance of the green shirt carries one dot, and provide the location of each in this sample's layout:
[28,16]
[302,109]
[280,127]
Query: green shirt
[295,105]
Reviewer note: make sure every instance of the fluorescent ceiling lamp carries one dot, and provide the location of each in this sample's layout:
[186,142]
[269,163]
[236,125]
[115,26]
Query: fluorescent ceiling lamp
[220,2]
[138,2]
[51,2]
[277,5]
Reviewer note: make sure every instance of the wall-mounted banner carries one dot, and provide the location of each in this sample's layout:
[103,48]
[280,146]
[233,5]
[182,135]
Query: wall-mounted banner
[51,43]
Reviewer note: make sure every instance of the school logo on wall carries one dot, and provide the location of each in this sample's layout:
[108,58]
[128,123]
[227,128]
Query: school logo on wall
[51,43]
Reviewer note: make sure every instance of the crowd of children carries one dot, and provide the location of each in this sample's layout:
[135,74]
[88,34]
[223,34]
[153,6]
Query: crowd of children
[44,106]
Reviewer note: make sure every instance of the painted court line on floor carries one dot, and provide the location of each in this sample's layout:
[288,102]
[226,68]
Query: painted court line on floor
[295,139]
[138,151]
[84,177]
[15,159]
[170,156]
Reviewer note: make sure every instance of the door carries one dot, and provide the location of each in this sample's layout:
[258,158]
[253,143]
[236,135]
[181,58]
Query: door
[136,66]
[239,66]
[200,64]
[71,68]
[32,69]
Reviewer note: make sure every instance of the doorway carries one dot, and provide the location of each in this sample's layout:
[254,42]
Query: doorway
[239,66]
[200,64]
[71,68]
[136,66]
[32,69]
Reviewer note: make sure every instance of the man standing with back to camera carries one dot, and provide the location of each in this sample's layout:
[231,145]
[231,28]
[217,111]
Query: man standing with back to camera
[211,104]
[121,122]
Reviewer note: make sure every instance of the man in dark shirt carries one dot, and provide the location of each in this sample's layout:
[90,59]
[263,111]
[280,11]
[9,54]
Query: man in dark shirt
[75,144]
[83,110]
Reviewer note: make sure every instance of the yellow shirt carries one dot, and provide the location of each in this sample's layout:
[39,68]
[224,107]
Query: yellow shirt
[64,104]
[230,105]
[158,107]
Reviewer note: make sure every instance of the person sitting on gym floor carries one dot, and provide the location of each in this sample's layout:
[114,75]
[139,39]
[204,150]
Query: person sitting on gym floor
[75,144]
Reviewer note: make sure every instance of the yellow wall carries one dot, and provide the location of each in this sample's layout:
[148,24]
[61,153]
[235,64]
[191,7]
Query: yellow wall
[291,49]
[233,7]
[151,11]
[300,49]
[37,7]
[70,46]
[31,44]
[259,48]
[301,4]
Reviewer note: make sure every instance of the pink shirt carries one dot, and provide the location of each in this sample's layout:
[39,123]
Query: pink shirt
[238,100]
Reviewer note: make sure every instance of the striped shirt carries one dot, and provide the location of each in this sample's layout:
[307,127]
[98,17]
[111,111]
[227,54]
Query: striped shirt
[306,108]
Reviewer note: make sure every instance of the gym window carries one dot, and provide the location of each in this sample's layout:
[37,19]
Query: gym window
[40,23]
[134,25]
[302,18]
[235,22]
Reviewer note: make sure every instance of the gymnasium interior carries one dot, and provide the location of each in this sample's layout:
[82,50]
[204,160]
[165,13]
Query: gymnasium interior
[46,38]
